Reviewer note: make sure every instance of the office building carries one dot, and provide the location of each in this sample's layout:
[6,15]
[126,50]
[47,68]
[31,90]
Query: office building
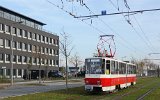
[24,45]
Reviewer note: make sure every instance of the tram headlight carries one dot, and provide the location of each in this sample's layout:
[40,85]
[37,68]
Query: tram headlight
[99,82]
[86,82]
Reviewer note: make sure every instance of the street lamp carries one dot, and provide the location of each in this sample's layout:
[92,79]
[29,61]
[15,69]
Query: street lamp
[11,74]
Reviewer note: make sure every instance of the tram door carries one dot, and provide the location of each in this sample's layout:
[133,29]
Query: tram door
[107,67]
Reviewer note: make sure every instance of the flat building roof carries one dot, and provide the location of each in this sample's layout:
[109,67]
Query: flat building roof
[20,15]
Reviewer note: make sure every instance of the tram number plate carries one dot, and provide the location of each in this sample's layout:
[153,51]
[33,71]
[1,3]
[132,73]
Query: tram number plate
[88,87]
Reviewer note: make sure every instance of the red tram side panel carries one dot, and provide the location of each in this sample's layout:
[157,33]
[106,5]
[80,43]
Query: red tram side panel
[108,74]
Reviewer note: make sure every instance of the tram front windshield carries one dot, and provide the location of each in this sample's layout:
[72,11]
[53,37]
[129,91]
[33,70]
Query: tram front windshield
[94,66]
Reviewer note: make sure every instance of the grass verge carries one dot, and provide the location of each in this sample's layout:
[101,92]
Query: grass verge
[131,93]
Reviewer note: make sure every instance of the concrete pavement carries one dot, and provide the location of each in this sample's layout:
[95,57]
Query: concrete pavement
[19,88]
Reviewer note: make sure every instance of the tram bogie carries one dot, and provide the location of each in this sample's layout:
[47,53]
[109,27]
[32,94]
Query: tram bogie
[108,74]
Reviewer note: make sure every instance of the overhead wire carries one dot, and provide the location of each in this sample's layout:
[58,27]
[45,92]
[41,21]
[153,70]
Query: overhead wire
[139,26]
[129,22]
[110,27]
[107,26]
[62,8]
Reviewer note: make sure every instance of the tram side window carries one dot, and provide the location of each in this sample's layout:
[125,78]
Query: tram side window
[123,68]
[116,67]
[120,68]
[103,65]
[133,69]
[113,68]
[87,66]
[107,67]
[129,69]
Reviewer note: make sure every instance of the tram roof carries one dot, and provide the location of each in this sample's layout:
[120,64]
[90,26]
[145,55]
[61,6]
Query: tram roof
[107,58]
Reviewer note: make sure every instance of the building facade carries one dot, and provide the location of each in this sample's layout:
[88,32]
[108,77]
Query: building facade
[25,46]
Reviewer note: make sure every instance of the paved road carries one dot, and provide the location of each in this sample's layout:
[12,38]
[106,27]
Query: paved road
[19,89]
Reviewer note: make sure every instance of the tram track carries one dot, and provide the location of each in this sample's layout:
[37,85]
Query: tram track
[120,97]
[148,92]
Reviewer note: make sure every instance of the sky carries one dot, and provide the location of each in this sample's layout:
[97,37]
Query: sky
[135,40]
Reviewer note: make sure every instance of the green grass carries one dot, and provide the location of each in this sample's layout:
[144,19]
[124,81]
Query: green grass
[131,93]
[4,80]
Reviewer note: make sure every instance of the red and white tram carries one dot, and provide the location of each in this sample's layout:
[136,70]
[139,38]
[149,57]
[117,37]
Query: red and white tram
[108,74]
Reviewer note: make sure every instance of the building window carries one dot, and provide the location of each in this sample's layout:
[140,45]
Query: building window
[34,36]
[1,57]
[19,59]
[13,17]
[8,57]
[19,72]
[14,72]
[50,51]
[54,52]
[57,42]
[38,61]
[1,27]
[24,33]
[54,62]
[6,15]
[29,35]
[57,52]
[34,60]
[24,46]
[54,41]
[18,32]
[24,59]
[46,61]
[50,62]
[8,72]
[43,61]
[46,50]
[29,60]
[27,23]
[1,43]
[14,31]
[38,49]
[46,39]
[8,43]
[38,39]
[34,48]
[14,44]
[43,38]
[57,62]
[19,45]
[14,58]
[29,47]
[43,49]
[50,41]
[7,28]
[17,19]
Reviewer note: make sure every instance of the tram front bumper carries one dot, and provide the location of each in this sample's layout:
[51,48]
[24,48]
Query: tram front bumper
[90,87]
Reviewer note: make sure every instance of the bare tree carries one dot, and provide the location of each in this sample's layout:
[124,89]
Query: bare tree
[66,48]
[76,61]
